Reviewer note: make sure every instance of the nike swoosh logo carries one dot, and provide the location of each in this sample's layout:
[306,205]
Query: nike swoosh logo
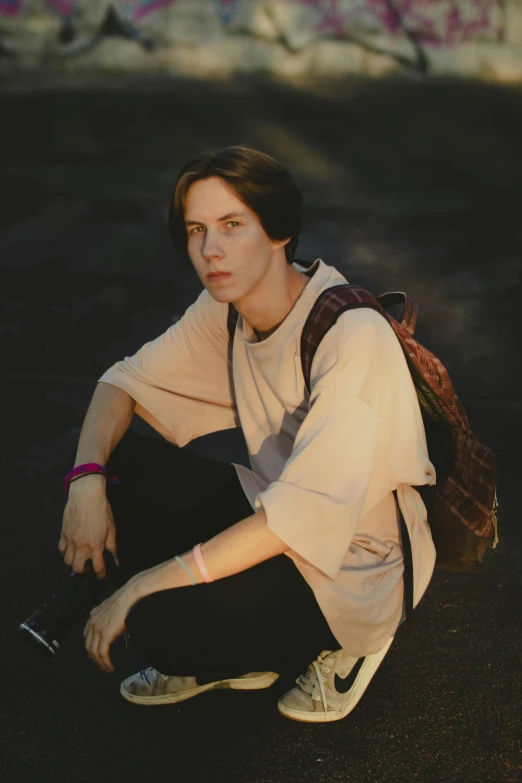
[343,685]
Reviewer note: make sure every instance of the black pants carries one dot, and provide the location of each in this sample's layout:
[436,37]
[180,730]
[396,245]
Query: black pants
[263,619]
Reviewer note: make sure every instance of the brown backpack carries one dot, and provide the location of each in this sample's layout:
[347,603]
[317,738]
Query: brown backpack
[462,505]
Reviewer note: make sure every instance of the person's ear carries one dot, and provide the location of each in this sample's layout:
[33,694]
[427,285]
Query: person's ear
[277,243]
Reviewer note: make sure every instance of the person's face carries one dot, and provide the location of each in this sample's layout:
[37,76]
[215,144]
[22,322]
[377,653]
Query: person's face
[224,235]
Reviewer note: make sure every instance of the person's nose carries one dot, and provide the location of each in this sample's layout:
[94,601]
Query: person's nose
[211,247]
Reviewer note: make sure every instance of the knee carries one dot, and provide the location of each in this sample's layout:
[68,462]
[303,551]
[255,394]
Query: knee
[126,452]
[145,616]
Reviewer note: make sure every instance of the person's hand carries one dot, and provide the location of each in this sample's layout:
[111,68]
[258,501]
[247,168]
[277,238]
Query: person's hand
[88,526]
[106,623]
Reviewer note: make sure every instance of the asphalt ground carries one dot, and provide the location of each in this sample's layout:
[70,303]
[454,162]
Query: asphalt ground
[408,185]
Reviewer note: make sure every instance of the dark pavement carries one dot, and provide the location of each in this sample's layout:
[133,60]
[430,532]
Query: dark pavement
[408,185]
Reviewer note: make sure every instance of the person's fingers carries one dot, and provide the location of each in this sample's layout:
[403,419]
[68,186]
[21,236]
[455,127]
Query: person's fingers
[103,654]
[92,636]
[69,555]
[100,650]
[80,558]
[98,564]
[111,535]
[110,544]
[62,544]
[93,648]
[88,634]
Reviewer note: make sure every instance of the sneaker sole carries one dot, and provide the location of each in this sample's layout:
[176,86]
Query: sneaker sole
[362,681]
[247,682]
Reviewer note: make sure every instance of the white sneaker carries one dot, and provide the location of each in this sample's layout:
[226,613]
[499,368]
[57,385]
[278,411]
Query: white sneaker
[331,687]
[149,686]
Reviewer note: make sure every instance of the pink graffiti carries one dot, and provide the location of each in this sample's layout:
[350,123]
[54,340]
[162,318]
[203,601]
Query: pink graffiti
[10,7]
[139,9]
[143,8]
[434,22]
[64,7]
[14,7]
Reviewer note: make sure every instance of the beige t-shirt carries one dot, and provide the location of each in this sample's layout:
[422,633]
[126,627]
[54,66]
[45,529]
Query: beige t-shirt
[324,465]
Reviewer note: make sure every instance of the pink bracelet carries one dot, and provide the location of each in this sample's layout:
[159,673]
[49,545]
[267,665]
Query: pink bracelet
[86,469]
[198,557]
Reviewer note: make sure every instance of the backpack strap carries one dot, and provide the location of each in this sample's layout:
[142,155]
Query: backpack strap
[231,326]
[328,307]
[408,568]
[334,301]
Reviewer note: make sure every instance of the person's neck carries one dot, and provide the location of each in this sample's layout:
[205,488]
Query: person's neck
[273,299]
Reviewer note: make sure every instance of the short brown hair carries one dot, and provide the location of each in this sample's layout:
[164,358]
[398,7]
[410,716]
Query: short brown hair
[259,181]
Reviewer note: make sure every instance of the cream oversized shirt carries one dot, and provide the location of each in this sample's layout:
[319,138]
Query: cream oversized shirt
[324,465]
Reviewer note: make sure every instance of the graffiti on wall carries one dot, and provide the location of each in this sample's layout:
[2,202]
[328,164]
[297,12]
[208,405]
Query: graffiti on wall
[139,9]
[10,7]
[15,7]
[432,22]
[64,7]
[435,22]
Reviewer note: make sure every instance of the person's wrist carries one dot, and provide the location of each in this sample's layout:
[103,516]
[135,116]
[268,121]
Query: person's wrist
[87,482]
[136,587]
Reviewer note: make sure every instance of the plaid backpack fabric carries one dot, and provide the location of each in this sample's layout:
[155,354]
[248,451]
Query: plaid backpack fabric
[462,505]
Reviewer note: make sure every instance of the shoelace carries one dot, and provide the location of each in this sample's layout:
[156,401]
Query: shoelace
[313,677]
[143,674]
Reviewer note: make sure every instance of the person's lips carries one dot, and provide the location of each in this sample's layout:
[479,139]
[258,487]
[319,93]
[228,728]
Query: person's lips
[218,275]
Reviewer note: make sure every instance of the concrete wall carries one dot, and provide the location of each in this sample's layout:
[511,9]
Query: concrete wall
[480,38]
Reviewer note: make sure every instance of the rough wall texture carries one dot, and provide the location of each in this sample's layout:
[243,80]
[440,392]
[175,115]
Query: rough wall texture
[286,37]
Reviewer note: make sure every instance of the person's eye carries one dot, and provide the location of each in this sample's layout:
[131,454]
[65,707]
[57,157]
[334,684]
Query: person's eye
[233,223]
[195,229]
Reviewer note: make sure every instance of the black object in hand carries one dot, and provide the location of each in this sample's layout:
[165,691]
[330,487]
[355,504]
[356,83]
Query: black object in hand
[46,628]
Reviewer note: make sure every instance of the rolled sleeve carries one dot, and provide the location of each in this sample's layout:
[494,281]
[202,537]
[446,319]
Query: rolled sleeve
[181,380]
